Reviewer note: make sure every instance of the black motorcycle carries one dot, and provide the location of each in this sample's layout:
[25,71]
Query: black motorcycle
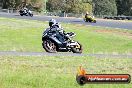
[26,13]
[54,41]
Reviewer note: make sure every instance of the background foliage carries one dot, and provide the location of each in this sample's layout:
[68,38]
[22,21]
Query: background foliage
[97,7]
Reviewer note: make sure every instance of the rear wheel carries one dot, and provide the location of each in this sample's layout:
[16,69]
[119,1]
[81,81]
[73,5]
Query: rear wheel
[49,46]
[21,14]
[77,49]
[87,20]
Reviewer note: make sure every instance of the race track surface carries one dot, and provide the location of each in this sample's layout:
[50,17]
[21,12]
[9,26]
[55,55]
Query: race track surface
[15,53]
[100,22]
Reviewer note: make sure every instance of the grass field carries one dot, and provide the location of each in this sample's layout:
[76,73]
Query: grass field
[58,72]
[25,35]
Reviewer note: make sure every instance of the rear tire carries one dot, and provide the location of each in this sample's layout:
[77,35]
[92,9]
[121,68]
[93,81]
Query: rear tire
[87,20]
[49,46]
[21,14]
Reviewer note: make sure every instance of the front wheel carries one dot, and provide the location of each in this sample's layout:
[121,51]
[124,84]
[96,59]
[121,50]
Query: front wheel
[49,46]
[77,49]
[31,15]
[94,21]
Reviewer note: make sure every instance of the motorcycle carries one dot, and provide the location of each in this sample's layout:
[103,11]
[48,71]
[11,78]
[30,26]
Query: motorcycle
[89,19]
[26,13]
[53,41]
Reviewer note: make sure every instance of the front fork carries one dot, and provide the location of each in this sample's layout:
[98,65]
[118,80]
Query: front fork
[73,44]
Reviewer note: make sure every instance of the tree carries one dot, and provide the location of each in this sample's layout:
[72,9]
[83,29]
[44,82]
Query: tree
[124,7]
[55,5]
[105,7]
[69,6]
[82,8]
[36,5]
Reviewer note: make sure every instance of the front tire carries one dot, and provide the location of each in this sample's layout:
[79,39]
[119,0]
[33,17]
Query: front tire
[94,21]
[49,46]
[77,50]
[31,15]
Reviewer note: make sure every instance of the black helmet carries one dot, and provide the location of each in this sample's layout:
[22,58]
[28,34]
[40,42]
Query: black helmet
[52,22]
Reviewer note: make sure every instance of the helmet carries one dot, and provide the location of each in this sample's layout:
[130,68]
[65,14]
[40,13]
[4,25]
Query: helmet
[52,22]
[58,25]
[87,13]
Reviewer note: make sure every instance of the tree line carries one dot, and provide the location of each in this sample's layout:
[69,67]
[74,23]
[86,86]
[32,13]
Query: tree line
[96,7]
[36,5]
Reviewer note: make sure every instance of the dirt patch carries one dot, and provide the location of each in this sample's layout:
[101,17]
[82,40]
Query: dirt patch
[104,31]
[123,33]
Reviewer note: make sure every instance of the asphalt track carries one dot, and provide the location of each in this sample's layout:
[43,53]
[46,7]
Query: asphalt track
[102,23]
[15,53]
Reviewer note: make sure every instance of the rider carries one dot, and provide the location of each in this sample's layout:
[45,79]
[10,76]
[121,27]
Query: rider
[25,10]
[87,14]
[54,26]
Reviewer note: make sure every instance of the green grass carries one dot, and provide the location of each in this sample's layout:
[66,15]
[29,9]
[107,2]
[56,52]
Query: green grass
[25,35]
[58,72]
